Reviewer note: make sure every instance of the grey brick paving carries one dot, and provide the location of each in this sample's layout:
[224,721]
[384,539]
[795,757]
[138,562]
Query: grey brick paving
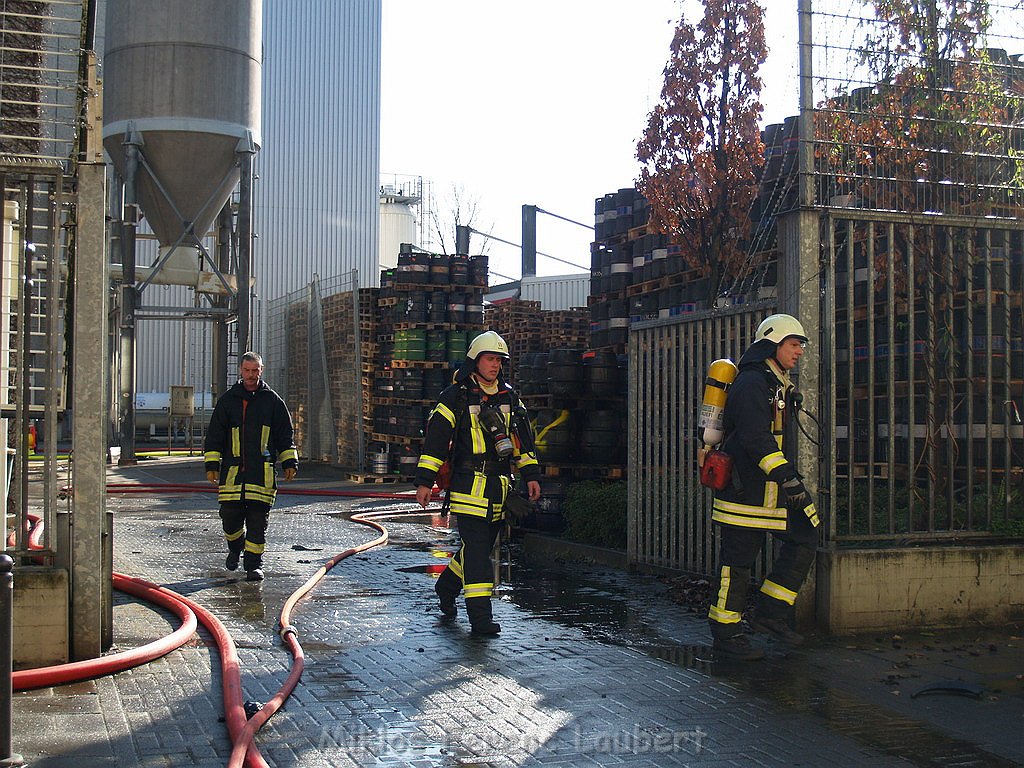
[593,668]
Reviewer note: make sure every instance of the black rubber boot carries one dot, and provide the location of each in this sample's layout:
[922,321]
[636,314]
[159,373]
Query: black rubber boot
[731,643]
[479,611]
[446,604]
[773,619]
[231,561]
[256,574]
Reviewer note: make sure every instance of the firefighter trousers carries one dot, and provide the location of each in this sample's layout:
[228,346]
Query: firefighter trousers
[245,530]
[470,570]
[737,554]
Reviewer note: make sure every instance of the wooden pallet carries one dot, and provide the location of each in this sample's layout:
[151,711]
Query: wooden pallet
[583,471]
[381,437]
[369,477]
[419,364]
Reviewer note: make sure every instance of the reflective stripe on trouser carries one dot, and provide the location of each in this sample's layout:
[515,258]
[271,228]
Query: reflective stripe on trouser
[470,570]
[248,519]
[738,552]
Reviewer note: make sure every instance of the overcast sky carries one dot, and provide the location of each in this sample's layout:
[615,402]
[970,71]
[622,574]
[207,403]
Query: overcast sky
[538,102]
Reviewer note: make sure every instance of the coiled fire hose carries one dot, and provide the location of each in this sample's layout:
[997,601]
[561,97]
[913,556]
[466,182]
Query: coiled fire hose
[241,730]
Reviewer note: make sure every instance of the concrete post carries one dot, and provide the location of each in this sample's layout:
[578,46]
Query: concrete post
[89,571]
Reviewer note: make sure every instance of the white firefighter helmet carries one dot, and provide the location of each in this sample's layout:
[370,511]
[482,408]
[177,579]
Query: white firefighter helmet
[778,328]
[488,341]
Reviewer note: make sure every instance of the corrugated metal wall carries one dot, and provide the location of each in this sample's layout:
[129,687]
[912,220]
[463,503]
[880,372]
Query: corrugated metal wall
[559,292]
[317,196]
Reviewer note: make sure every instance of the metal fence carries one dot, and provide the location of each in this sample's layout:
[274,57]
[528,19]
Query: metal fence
[669,510]
[919,435]
[923,361]
[313,341]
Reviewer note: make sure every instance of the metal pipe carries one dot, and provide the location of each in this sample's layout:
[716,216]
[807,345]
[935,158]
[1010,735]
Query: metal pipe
[129,298]
[7,758]
[25,357]
[245,152]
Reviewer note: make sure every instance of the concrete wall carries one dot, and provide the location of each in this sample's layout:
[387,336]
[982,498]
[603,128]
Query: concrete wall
[867,590]
[40,616]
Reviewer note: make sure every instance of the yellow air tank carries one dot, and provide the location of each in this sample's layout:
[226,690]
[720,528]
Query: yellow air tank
[721,373]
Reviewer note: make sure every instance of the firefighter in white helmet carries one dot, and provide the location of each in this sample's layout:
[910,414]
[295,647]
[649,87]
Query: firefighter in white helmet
[479,427]
[766,494]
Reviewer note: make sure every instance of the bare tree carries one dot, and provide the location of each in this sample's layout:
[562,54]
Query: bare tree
[458,209]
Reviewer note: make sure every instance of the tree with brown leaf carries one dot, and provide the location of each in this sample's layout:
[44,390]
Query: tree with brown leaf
[701,151]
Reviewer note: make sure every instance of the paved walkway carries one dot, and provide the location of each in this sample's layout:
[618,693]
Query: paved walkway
[594,667]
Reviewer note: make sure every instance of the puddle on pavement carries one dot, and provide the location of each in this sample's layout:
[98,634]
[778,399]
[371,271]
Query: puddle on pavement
[604,613]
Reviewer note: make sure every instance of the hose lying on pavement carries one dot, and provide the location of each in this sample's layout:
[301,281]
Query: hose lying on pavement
[43,677]
[289,634]
[242,731]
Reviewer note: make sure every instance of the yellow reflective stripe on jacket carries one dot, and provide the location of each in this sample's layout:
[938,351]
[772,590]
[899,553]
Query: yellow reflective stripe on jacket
[268,474]
[472,503]
[748,516]
[443,410]
[288,454]
[476,432]
[231,479]
[259,493]
[772,461]
[211,456]
[229,493]
[236,441]
[264,438]
[429,462]
[526,459]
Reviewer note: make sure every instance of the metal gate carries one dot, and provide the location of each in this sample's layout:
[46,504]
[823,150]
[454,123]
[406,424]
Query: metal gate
[919,435]
[669,510]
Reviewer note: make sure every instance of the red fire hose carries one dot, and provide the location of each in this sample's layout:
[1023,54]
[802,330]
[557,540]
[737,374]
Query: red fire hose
[242,731]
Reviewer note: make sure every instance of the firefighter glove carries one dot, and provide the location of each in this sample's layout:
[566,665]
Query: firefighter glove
[797,496]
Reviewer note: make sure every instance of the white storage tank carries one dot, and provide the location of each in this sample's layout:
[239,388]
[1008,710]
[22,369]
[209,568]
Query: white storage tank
[397,223]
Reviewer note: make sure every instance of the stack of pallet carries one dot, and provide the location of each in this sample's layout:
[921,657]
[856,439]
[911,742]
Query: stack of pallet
[350,324]
[428,309]
[565,328]
[518,322]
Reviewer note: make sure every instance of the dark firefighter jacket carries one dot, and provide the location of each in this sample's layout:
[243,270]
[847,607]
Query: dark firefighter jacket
[248,433]
[454,433]
[756,421]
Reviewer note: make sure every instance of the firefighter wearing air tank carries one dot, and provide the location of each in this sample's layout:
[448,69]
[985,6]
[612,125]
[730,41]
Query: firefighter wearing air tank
[765,494]
[480,427]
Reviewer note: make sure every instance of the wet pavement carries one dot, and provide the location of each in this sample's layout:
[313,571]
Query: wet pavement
[594,666]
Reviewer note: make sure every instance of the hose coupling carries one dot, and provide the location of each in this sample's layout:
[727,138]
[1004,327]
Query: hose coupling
[291,629]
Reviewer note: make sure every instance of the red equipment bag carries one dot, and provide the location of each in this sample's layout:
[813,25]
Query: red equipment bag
[717,470]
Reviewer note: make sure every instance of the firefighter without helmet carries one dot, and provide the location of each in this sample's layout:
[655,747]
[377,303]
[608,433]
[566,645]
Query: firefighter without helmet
[488,341]
[778,328]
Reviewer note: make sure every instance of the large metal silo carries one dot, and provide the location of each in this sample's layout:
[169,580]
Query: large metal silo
[182,80]
[182,84]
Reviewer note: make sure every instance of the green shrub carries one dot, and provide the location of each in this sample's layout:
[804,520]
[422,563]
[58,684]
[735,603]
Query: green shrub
[595,513]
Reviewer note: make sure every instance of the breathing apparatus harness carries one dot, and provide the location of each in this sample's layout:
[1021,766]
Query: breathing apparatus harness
[715,465]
